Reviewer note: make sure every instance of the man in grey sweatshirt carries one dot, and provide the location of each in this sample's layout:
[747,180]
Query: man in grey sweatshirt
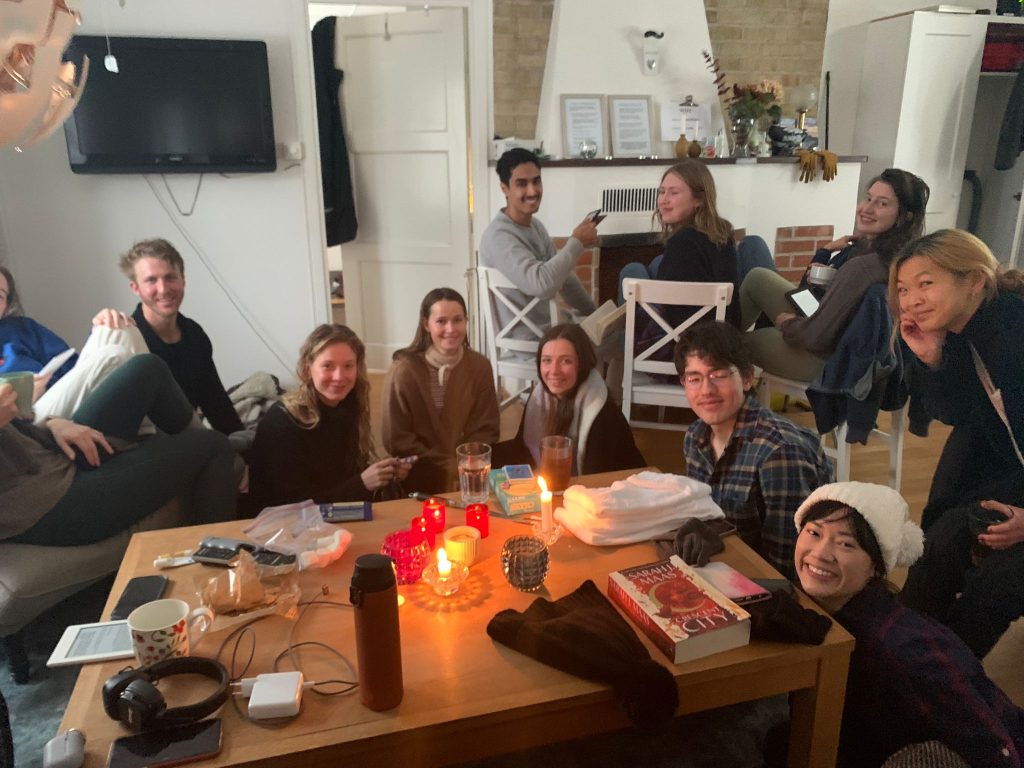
[517,245]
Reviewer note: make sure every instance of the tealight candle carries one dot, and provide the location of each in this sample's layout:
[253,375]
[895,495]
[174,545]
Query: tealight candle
[444,565]
[434,511]
[479,516]
[547,520]
[424,528]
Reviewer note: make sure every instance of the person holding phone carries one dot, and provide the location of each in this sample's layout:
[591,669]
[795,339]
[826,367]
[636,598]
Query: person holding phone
[438,394]
[517,244]
[572,400]
[962,316]
[889,216]
[316,443]
[81,480]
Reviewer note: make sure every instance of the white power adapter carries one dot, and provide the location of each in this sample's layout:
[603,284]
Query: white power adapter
[275,694]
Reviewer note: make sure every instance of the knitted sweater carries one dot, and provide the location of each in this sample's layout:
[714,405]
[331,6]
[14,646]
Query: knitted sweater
[413,426]
[819,334]
[527,257]
[34,476]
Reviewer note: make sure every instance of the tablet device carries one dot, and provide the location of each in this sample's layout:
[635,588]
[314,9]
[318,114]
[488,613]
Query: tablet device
[804,301]
[84,643]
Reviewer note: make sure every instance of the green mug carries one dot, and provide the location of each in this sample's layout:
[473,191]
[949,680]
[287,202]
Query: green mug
[23,383]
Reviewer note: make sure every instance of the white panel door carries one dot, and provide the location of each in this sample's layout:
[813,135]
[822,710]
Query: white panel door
[406,121]
[943,66]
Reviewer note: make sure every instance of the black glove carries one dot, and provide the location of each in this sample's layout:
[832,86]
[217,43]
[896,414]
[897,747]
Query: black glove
[696,542]
[783,619]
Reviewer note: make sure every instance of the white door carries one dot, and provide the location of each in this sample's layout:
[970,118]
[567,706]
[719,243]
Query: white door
[943,65]
[406,123]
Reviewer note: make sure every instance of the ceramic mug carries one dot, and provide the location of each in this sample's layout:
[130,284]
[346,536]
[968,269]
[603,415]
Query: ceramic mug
[23,383]
[161,629]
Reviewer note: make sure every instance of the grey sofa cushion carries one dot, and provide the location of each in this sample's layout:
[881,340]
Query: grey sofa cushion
[34,578]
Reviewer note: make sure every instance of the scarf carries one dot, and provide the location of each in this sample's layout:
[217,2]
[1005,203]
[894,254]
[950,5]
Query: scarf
[590,399]
[444,363]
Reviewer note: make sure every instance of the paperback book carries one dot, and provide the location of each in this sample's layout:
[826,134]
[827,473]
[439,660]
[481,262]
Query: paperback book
[682,614]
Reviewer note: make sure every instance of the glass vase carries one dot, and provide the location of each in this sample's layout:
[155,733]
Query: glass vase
[742,128]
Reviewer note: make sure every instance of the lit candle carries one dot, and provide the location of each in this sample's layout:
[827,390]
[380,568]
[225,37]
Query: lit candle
[479,517]
[424,528]
[547,521]
[444,565]
[434,511]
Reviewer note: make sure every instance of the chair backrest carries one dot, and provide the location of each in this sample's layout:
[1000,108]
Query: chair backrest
[653,296]
[499,337]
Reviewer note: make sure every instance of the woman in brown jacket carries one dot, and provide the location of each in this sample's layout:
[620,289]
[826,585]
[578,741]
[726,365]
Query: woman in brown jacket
[438,394]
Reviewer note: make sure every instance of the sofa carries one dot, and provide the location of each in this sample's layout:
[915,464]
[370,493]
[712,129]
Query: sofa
[35,578]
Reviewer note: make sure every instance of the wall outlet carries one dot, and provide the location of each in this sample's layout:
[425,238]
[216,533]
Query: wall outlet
[292,150]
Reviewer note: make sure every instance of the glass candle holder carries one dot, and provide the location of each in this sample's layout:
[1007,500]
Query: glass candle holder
[448,583]
[524,561]
[409,552]
[479,516]
[424,529]
[434,511]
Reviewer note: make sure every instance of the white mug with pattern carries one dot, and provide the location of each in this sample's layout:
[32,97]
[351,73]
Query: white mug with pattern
[161,629]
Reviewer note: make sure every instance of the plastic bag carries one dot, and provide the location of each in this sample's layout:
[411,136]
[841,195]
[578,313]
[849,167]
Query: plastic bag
[247,591]
[300,530]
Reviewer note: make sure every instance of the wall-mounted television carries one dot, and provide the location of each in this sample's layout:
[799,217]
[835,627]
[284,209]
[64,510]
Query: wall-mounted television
[174,106]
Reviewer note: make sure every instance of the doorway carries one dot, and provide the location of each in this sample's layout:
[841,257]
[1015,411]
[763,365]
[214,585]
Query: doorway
[405,105]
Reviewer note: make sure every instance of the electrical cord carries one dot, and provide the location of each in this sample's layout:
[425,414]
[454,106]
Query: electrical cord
[195,197]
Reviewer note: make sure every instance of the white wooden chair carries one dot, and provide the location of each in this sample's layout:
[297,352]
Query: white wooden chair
[513,360]
[652,295]
[771,384]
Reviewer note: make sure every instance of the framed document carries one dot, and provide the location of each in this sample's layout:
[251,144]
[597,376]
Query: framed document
[583,123]
[632,127]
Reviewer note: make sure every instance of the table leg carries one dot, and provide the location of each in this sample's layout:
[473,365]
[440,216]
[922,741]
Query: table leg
[816,715]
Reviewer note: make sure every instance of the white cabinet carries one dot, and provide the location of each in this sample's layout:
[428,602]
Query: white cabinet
[918,84]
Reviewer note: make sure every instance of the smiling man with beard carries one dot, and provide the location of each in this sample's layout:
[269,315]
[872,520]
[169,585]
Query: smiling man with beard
[517,244]
[156,274]
[760,466]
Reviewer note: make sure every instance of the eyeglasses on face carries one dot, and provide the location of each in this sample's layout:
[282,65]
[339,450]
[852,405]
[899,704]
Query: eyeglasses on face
[716,378]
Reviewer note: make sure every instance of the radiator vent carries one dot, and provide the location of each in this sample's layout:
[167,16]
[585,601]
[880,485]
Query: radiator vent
[629,200]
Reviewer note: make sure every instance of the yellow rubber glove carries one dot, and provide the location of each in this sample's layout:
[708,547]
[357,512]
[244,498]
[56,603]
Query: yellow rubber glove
[808,165]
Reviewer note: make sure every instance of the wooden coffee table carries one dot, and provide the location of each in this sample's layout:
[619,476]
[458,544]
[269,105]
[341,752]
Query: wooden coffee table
[466,697]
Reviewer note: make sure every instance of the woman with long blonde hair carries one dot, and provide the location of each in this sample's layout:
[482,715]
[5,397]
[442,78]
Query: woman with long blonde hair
[962,316]
[316,442]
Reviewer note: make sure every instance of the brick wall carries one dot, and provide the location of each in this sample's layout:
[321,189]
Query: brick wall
[768,40]
[521,31]
[795,247]
[586,265]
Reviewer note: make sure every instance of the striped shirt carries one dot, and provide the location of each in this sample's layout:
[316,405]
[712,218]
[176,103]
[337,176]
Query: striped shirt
[768,468]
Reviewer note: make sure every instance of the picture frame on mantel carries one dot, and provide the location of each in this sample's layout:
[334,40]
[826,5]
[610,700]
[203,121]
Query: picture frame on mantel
[632,125]
[584,119]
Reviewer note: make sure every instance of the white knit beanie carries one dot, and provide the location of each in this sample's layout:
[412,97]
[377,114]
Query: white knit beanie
[885,510]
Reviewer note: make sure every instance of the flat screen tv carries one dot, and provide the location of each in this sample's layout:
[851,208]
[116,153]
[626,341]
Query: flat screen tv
[174,106]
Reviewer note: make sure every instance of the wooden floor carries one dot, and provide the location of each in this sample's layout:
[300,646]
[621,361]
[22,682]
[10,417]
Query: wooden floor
[870,463]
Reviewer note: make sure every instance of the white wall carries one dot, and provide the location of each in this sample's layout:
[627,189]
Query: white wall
[846,13]
[580,61]
[262,233]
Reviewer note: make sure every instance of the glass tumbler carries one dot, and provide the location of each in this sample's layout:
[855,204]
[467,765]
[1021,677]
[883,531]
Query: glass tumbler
[410,553]
[524,561]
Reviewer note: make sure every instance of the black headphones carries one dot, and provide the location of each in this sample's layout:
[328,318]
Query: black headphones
[131,697]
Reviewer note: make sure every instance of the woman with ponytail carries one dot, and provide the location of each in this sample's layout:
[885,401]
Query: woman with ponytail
[963,318]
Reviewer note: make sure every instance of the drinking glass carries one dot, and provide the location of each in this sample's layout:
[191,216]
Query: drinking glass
[556,461]
[474,471]
[410,553]
[524,561]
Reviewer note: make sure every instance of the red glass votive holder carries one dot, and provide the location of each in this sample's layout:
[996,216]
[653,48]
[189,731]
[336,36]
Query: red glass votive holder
[409,552]
[479,516]
[434,510]
[424,528]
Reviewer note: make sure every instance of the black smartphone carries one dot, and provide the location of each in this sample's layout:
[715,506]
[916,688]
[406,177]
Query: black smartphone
[804,301]
[167,746]
[140,590]
[774,585]
[596,216]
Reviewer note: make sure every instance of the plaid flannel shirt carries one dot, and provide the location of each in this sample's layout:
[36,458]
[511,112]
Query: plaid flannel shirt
[911,680]
[768,468]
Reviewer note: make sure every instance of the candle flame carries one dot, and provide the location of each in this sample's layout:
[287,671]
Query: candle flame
[444,565]
[542,483]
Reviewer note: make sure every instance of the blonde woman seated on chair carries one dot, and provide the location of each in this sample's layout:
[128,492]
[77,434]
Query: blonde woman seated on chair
[572,400]
[438,394]
[890,215]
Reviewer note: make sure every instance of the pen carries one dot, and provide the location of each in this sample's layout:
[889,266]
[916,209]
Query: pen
[447,501]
